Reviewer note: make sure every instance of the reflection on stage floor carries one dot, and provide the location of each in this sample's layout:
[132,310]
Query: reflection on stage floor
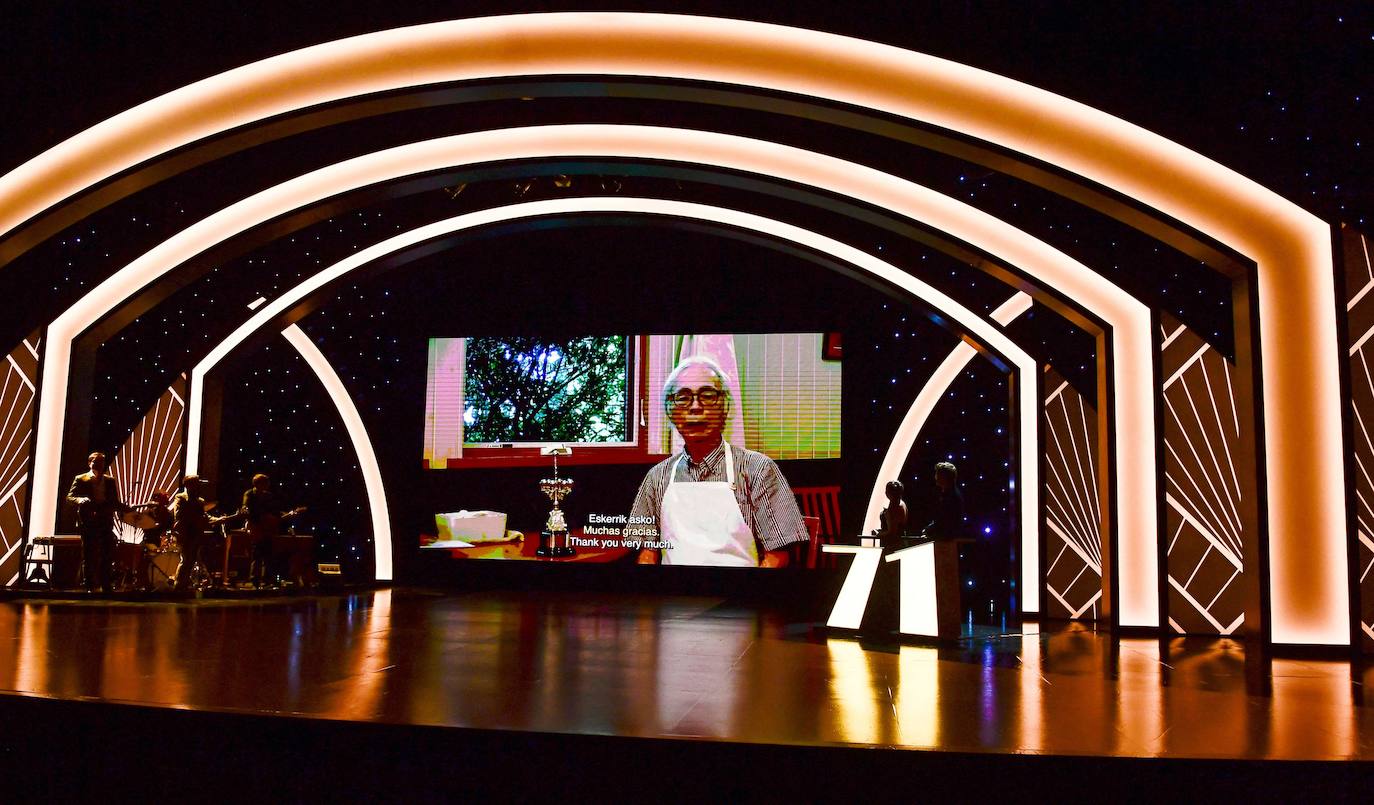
[684,667]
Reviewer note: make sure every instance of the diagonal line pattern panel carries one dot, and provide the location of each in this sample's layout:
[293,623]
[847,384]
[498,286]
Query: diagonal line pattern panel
[1203,495]
[1359,280]
[150,458]
[1072,531]
[16,441]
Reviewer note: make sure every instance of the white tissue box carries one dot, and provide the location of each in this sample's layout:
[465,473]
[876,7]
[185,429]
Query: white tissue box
[479,526]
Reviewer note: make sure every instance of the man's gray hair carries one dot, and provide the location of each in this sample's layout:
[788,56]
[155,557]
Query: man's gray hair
[696,360]
[947,468]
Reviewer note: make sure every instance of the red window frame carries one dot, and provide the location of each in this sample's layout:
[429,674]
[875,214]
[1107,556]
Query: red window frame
[528,456]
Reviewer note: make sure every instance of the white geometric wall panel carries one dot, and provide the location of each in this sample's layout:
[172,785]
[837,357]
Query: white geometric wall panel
[1359,307]
[16,441]
[150,459]
[1205,531]
[1073,507]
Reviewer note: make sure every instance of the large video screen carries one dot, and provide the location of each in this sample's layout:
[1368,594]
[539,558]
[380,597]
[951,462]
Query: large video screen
[715,450]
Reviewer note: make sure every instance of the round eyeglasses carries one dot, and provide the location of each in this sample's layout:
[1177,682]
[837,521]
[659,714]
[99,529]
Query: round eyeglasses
[708,397]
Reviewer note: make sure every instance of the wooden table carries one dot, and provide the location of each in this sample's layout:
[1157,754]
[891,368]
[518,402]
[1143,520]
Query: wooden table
[524,548]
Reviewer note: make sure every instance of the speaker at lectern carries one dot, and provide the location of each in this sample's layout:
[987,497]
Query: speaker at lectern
[927,600]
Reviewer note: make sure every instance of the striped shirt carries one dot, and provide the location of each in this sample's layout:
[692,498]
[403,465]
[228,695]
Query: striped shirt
[764,497]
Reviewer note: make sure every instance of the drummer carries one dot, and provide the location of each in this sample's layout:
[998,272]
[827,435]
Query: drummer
[155,534]
[158,508]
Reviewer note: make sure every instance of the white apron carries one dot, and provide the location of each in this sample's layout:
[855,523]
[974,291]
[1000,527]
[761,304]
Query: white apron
[702,522]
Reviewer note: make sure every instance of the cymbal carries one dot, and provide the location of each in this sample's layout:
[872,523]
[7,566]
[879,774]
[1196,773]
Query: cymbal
[211,504]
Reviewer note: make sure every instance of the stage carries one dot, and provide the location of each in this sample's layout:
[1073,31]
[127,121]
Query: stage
[405,692]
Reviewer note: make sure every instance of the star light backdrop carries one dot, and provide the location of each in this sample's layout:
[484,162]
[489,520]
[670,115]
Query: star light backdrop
[1281,95]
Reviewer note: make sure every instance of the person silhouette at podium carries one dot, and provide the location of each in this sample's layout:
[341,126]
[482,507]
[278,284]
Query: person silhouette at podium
[948,522]
[714,503]
[893,519]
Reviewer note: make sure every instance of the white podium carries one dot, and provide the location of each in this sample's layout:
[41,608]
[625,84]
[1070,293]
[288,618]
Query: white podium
[848,612]
[929,588]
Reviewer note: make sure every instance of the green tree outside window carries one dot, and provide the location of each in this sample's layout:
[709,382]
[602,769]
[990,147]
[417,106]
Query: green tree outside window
[530,389]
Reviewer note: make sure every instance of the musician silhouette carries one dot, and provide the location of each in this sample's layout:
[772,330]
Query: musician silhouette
[96,497]
[189,521]
[265,516]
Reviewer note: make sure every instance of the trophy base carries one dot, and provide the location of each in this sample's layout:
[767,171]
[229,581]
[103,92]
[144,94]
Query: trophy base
[554,545]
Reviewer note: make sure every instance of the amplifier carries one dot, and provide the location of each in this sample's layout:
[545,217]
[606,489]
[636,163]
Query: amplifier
[55,561]
[330,576]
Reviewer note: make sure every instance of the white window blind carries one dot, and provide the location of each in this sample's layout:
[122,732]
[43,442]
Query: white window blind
[791,397]
[444,401]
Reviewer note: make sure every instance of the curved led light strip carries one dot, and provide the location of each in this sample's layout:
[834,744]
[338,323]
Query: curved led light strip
[1291,248]
[931,394]
[1128,319]
[262,316]
[357,433]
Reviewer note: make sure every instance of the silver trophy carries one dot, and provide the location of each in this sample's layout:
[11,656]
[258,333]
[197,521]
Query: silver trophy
[553,542]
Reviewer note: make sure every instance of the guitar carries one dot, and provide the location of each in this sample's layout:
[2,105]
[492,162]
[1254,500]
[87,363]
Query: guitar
[178,531]
[270,525]
[215,519]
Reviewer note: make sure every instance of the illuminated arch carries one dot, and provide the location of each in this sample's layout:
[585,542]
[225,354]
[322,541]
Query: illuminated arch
[971,322]
[1291,249]
[915,419]
[1129,320]
[377,507]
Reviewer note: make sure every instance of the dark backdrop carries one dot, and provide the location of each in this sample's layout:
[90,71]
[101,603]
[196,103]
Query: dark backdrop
[1280,92]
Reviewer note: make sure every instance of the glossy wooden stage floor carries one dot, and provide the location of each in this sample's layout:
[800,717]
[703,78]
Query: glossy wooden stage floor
[695,668]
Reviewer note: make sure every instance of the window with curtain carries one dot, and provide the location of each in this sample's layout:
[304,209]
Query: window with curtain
[788,395]
[486,392]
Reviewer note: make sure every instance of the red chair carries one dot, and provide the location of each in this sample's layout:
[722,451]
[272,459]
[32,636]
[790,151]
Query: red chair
[822,503]
[813,548]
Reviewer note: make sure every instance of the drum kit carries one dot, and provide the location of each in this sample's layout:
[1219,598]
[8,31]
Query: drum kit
[140,565]
[157,570]
[141,520]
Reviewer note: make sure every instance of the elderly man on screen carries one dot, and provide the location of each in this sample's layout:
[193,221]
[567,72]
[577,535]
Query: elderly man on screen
[714,503]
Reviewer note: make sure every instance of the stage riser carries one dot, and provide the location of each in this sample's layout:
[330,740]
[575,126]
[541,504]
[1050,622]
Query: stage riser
[70,754]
